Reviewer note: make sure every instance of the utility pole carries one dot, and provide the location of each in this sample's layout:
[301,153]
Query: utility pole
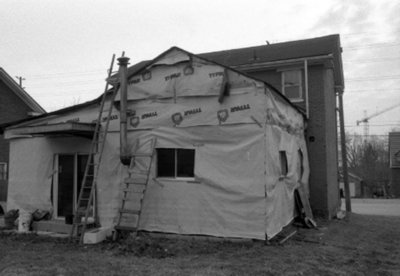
[20,79]
[344,153]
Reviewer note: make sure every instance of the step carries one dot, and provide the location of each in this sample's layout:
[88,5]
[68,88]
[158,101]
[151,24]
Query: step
[136,180]
[127,211]
[138,172]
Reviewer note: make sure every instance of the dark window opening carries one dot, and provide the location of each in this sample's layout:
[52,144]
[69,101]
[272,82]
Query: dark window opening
[284,163]
[301,164]
[175,163]
[3,171]
[165,162]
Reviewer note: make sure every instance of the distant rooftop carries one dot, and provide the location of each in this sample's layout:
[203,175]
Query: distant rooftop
[313,47]
[319,46]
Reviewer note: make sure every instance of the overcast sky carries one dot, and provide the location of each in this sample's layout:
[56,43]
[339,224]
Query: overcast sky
[63,48]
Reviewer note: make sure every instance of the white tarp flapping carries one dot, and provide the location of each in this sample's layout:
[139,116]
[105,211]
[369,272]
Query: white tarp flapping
[238,188]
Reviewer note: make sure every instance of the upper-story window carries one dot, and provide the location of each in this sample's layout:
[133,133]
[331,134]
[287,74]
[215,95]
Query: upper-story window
[3,171]
[292,85]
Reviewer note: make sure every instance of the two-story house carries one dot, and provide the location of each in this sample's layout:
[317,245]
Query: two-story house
[15,104]
[310,73]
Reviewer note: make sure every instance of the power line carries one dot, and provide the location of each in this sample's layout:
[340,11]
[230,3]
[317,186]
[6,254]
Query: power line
[375,78]
[67,73]
[370,33]
[372,45]
[384,125]
[374,90]
[372,60]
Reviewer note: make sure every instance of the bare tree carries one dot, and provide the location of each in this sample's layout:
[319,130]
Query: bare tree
[369,159]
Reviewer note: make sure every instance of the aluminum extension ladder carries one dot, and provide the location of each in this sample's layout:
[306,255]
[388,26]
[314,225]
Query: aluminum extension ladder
[86,203]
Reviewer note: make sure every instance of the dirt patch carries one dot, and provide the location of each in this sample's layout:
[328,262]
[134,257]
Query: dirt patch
[356,246]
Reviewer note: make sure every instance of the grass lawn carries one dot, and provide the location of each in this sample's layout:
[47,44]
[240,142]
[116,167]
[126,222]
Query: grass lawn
[358,245]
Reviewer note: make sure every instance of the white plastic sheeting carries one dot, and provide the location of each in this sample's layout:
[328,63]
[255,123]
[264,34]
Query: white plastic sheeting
[238,189]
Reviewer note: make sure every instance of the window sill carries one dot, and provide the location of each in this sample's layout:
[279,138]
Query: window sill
[178,179]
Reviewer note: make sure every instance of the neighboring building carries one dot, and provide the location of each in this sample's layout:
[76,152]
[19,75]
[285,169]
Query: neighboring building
[309,72]
[356,186]
[15,104]
[229,153]
[394,163]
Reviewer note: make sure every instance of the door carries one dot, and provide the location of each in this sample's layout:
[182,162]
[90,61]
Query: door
[71,168]
[66,181]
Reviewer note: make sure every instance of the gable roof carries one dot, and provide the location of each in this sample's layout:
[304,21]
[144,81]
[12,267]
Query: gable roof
[297,49]
[20,92]
[320,46]
[142,66]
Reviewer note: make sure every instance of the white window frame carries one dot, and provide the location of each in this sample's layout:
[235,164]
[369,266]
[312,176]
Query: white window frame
[4,175]
[175,177]
[394,163]
[300,84]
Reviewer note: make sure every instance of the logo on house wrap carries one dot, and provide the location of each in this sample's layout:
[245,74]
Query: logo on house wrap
[240,108]
[134,81]
[192,111]
[134,121]
[112,117]
[149,115]
[172,76]
[216,74]
[73,120]
[177,118]
[222,115]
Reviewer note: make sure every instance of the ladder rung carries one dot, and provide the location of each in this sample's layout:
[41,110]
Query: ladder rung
[81,211]
[127,211]
[138,172]
[135,180]
[125,228]
[133,191]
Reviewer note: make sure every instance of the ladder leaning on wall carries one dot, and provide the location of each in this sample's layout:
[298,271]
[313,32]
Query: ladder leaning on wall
[86,204]
[134,191]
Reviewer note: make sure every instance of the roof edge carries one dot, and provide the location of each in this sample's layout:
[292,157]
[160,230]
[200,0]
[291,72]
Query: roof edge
[20,92]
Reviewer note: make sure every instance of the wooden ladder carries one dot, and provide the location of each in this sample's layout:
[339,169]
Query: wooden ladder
[86,204]
[134,191]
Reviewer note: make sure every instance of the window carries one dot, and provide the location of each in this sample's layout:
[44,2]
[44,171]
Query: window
[284,164]
[301,168]
[175,163]
[292,85]
[3,171]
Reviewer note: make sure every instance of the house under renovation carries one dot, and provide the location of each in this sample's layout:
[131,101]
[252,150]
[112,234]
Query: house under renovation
[225,153]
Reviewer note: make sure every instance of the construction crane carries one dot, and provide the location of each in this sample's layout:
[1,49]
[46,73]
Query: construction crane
[366,118]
